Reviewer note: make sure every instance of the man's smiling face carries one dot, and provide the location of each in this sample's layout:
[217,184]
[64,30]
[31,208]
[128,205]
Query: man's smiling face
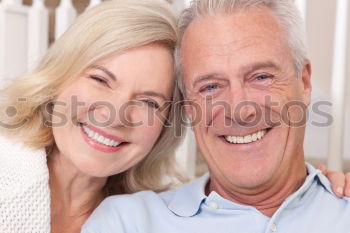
[240,71]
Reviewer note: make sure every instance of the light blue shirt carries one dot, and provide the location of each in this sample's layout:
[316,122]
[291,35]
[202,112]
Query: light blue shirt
[312,209]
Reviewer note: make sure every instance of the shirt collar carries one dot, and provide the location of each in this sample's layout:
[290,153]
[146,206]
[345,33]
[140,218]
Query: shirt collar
[323,180]
[315,176]
[188,199]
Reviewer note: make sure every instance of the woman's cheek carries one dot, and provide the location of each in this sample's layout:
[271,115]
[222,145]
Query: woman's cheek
[150,130]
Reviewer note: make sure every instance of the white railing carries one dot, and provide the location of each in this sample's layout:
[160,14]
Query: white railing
[13,34]
[23,35]
[336,140]
[24,38]
[38,28]
[302,5]
[65,14]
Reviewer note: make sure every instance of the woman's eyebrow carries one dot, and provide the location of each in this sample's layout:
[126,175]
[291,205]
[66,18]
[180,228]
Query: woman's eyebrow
[105,70]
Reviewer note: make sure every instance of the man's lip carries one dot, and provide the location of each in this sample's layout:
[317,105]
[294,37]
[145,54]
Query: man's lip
[104,134]
[243,134]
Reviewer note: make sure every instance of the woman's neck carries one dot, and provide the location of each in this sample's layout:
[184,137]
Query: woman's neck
[74,195]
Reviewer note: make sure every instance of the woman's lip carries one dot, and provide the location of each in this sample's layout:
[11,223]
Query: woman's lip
[104,134]
[99,146]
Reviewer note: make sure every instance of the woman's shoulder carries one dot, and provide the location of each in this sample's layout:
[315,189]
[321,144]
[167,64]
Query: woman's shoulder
[21,166]
[24,188]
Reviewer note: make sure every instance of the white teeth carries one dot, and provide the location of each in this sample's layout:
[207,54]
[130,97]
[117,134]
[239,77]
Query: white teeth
[99,138]
[91,134]
[116,143]
[234,139]
[246,139]
[254,137]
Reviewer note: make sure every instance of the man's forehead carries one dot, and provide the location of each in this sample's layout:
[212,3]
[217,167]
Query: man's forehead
[223,40]
[221,47]
[226,28]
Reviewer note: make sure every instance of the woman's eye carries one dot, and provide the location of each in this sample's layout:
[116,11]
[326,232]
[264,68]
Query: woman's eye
[98,79]
[210,87]
[152,104]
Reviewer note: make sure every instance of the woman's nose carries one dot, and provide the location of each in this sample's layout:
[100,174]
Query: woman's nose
[104,113]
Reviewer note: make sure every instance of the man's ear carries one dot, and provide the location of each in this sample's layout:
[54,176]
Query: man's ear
[306,80]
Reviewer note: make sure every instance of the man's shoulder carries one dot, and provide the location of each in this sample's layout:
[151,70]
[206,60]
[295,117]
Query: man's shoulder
[123,206]
[141,210]
[327,194]
[142,199]
[148,199]
[125,213]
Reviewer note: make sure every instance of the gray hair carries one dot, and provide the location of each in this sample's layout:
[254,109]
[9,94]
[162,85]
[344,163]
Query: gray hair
[286,11]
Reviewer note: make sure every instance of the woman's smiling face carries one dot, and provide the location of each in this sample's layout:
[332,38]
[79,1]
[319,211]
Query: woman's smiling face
[109,118]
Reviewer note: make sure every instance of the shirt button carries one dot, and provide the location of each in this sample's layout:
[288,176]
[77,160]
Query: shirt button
[213,205]
[273,228]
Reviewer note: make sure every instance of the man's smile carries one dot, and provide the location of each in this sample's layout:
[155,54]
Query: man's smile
[249,138]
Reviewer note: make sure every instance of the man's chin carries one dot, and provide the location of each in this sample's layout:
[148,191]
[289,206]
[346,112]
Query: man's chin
[252,179]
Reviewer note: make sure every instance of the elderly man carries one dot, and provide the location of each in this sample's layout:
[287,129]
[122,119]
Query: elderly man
[245,70]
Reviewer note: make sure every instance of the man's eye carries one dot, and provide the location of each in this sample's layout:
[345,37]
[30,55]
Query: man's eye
[262,77]
[151,103]
[210,87]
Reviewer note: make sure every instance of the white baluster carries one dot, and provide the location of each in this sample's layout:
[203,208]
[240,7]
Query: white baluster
[65,15]
[7,1]
[93,3]
[187,3]
[13,39]
[39,31]
[179,5]
[2,43]
[12,2]
[302,5]
[336,139]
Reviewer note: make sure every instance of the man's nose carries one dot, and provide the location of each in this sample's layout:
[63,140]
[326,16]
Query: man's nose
[243,108]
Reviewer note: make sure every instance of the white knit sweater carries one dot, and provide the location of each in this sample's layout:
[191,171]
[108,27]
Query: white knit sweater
[24,189]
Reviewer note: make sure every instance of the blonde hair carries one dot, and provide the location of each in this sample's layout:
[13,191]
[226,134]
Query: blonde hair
[112,26]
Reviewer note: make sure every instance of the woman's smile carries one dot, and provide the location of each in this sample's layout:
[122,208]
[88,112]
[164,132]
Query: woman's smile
[100,140]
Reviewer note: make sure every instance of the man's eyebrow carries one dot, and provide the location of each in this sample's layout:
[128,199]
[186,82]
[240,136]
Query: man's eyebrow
[206,77]
[260,65]
[155,94]
[109,73]
[246,70]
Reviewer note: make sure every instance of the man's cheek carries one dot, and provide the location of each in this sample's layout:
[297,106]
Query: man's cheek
[297,114]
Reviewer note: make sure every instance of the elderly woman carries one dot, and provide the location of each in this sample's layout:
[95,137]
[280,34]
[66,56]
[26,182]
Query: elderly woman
[95,118]
[88,121]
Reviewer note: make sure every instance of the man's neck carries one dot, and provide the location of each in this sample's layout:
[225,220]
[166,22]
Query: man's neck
[268,197]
